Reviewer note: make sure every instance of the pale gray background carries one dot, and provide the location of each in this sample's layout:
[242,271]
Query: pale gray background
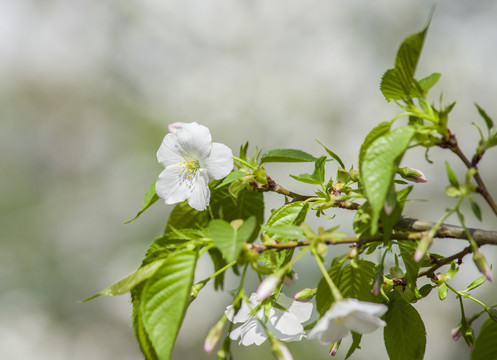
[88,87]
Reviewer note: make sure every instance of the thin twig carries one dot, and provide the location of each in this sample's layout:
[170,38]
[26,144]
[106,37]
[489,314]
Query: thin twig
[444,261]
[451,143]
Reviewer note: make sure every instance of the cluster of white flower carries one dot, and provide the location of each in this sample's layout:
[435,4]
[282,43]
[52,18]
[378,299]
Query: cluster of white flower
[344,316]
[191,160]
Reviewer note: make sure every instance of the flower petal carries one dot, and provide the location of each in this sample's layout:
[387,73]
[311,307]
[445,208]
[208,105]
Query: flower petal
[241,316]
[251,332]
[200,194]
[301,310]
[363,323]
[285,326]
[190,140]
[220,161]
[195,140]
[328,331]
[169,187]
[170,152]
[375,309]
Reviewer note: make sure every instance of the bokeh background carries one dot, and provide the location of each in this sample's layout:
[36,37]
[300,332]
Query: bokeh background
[87,89]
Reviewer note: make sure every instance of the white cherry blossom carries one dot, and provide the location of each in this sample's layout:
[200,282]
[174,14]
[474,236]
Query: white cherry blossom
[348,315]
[191,160]
[285,325]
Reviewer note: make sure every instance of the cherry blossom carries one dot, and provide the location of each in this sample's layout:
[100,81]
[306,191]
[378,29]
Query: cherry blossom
[191,160]
[284,325]
[348,315]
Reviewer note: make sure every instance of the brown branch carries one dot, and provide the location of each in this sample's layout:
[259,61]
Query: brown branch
[444,261]
[272,186]
[279,246]
[451,143]
[481,237]
[405,224]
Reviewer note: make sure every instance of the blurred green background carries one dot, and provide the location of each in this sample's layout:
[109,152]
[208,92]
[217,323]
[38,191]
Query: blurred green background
[87,89]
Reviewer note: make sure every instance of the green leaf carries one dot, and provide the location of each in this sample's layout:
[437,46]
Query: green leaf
[317,177]
[323,300]
[218,262]
[352,281]
[425,290]
[442,291]
[343,176]
[399,83]
[379,166]
[129,282]
[356,341]
[357,281]
[286,155]
[476,283]
[486,346]
[333,155]
[396,201]
[184,216]
[407,250]
[483,114]
[391,86]
[408,56]
[150,198]
[451,175]
[290,232]
[229,239]
[475,208]
[138,327]
[285,215]
[428,82]
[164,300]
[404,334]
[379,130]
[233,176]
[248,203]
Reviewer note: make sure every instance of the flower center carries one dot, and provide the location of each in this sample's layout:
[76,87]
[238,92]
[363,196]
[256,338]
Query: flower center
[189,167]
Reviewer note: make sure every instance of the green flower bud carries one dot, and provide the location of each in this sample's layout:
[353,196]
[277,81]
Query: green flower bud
[214,335]
[482,265]
[305,294]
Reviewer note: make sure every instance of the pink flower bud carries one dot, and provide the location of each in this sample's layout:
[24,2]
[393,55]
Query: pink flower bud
[413,175]
[291,279]
[266,288]
[334,349]
[456,333]
[482,265]
[214,335]
[418,255]
[172,128]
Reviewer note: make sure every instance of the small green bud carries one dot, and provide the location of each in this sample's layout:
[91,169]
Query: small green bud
[482,265]
[469,337]
[412,175]
[305,294]
[492,313]
[196,289]
[321,249]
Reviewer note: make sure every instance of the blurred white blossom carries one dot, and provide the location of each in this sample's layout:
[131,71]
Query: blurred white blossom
[285,325]
[348,315]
